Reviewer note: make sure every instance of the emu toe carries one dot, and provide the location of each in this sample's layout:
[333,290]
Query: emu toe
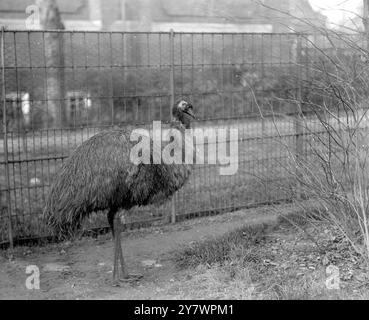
[130,279]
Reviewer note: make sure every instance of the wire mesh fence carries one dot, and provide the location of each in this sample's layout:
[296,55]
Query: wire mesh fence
[61,87]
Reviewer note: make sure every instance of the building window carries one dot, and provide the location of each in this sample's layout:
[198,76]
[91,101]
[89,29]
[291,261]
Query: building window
[18,110]
[78,106]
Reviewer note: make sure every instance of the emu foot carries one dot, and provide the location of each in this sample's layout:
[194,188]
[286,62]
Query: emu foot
[129,279]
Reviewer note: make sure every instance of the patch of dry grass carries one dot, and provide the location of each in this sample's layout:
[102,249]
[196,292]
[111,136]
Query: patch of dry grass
[218,281]
[274,261]
[219,250]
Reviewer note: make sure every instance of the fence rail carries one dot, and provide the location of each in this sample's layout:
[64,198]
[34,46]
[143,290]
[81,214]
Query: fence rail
[60,88]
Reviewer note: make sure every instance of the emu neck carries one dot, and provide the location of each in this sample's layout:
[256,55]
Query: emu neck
[180,117]
[178,125]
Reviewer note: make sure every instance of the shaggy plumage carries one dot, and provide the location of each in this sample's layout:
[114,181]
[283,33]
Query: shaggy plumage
[99,175]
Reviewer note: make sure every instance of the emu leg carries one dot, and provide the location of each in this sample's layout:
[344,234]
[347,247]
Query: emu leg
[111,217]
[115,265]
[118,247]
[115,229]
[120,271]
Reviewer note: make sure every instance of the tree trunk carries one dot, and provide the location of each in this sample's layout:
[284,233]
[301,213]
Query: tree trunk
[110,12]
[54,56]
[366,21]
[365,14]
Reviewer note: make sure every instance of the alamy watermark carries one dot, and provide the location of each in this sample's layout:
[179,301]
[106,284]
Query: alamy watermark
[333,280]
[174,146]
[33,280]
[32,22]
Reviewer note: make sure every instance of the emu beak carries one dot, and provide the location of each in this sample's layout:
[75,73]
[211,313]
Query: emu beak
[190,113]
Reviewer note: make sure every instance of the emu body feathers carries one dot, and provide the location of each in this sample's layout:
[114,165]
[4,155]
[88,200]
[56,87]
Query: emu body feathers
[99,175]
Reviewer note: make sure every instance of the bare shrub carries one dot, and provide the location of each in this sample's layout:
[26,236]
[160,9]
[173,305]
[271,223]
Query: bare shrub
[329,161]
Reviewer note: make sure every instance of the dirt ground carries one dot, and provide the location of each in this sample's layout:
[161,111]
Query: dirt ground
[83,269]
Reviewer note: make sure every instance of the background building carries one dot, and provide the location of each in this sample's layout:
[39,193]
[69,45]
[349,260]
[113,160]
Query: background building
[163,15]
[100,72]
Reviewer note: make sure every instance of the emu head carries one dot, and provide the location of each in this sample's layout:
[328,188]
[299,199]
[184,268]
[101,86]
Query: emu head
[183,112]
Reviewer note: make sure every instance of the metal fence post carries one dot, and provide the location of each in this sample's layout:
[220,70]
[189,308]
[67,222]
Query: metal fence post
[171,85]
[298,149]
[172,99]
[299,131]
[5,139]
[298,120]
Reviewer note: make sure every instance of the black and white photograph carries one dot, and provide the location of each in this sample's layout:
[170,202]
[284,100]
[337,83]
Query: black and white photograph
[200,152]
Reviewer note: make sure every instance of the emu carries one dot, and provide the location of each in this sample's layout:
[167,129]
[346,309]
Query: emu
[100,176]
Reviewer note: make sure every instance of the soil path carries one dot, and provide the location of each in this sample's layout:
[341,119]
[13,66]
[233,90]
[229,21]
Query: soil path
[83,269]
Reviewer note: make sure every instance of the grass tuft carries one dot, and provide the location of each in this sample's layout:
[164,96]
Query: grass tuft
[221,249]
